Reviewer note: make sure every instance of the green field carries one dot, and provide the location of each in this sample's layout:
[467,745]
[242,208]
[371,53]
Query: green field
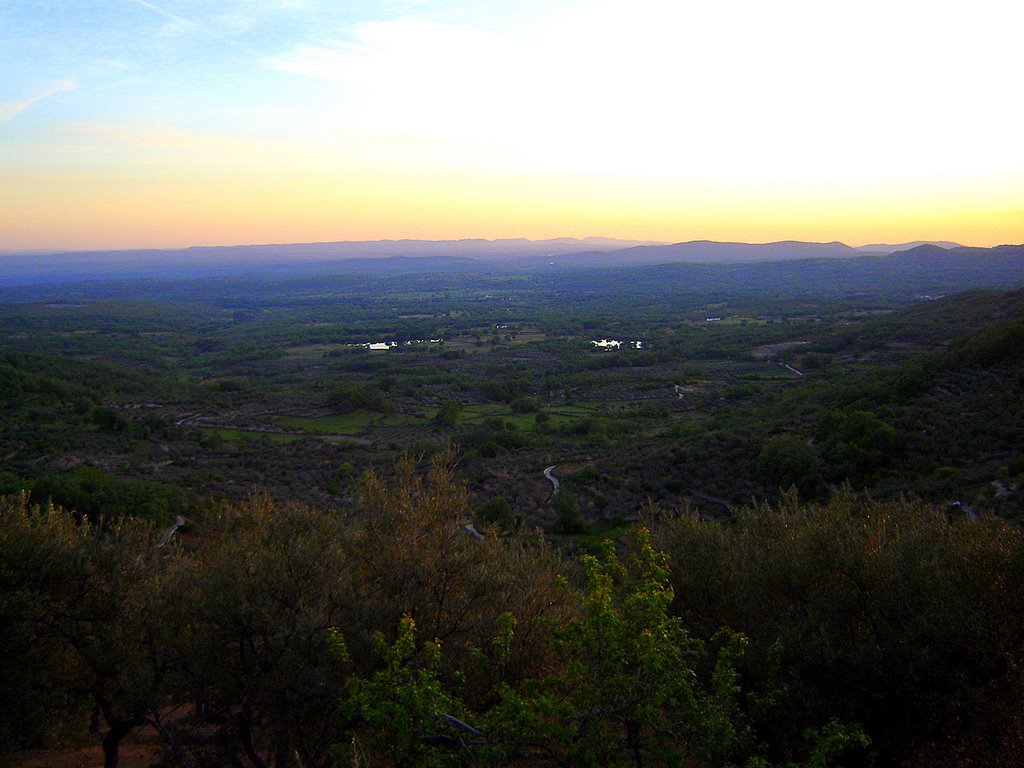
[348,423]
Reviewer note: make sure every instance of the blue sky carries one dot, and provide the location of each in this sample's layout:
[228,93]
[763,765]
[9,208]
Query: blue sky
[184,63]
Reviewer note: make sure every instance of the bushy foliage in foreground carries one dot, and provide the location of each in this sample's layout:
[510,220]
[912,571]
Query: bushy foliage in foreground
[889,614]
[284,635]
[633,688]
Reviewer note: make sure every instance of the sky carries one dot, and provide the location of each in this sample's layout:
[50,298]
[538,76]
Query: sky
[168,123]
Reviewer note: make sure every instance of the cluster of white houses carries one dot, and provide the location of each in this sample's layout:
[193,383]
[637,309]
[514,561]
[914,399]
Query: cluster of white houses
[616,344]
[390,344]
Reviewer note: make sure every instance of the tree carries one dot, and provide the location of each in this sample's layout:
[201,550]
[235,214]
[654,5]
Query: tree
[853,445]
[786,462]
[355,396]
[497,511]
[525,404]
[410,554]
[449,414]
[568,518]
[403,710]
[634,689]
[630,688]
[257,612]
[79,615]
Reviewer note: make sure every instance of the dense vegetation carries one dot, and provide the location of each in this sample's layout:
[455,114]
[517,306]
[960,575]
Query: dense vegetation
[813,498]
[186,394]
[282,634]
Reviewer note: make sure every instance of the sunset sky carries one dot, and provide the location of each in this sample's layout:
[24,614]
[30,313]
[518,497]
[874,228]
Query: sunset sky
[129,123]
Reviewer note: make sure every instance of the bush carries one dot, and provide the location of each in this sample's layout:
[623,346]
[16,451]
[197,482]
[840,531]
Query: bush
[449,414]
[889,614]
[568,518]
[525,405]
[785,462]
[498,511]
[634,688]
[356,396]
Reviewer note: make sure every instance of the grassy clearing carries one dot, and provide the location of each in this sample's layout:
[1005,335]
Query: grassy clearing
[575,409]
[598,532]
[467,346]
[593,538]
[348,423]
[476,413]
[527,337]
[525,422]
[317,350]
[243,434]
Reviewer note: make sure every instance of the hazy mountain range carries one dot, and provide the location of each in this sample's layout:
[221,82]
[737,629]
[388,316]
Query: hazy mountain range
[883,248]
[348,256]
[391,257]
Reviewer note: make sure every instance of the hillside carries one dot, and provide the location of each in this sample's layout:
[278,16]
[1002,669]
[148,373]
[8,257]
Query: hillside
[217,387]
[248,558]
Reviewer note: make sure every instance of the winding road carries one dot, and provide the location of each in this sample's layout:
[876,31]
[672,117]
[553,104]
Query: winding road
[554,480]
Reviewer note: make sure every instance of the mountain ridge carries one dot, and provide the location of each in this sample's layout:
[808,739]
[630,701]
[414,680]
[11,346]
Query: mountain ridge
[887,248]
[393,257]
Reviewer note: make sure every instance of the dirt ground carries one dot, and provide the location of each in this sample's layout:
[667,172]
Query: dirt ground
[139,750]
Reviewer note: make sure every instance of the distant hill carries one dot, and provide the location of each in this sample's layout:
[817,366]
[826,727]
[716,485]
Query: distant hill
[469,248]
[923,273]
[882,248]
[962,252]
[710,252]
[960,260]
[928,267]
[287,259]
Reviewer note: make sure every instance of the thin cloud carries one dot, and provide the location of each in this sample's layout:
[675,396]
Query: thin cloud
[176,22]
[11,109]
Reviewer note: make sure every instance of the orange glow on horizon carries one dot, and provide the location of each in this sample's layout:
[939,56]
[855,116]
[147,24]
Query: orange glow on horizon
[98,211]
